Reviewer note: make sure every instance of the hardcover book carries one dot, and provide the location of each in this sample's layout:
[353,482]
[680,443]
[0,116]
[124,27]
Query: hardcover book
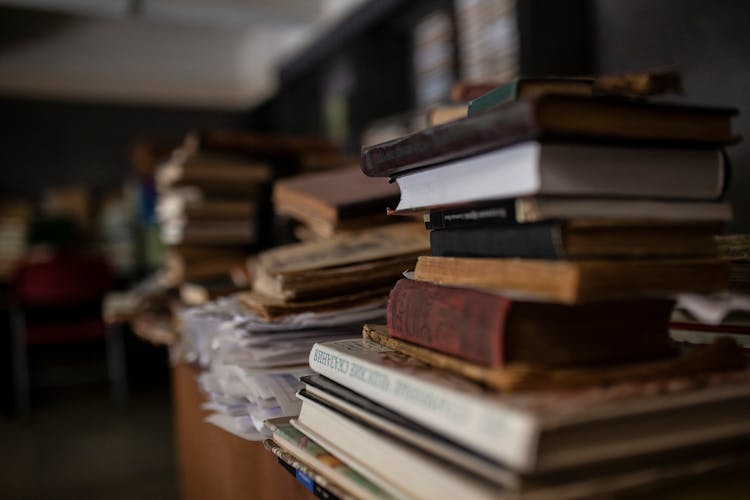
[494,330]
[551,116]
[539,209]
[534,168]
[336,200]
[393,462]
[577,281]
[576,239]
[549,430]
[604,478]
[520,377]
[325,391]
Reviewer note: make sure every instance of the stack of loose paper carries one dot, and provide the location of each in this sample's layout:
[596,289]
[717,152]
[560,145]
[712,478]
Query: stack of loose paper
[252,366]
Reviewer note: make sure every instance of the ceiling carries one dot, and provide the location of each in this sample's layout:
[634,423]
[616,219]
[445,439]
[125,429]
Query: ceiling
[219,54]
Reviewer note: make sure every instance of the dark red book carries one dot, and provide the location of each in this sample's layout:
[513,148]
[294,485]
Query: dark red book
[552,116]
[494,330]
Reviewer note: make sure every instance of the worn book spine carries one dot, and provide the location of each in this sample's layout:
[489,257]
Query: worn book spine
[537,241]
[439,402]
[465,323]
[451,141]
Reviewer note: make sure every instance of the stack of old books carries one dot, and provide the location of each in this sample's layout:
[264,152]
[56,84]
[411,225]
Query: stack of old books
[209,207]
[254,345]
[214,203]
[530,353]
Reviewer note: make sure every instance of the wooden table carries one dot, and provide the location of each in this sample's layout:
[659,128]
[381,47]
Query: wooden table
[214,464]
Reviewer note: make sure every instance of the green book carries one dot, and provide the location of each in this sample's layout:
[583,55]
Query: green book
[529,88]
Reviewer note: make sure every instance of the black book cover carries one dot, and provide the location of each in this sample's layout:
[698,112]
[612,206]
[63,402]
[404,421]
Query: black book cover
[499,212]
[533,241]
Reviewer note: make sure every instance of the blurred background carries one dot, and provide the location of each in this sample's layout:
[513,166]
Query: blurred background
[94,94]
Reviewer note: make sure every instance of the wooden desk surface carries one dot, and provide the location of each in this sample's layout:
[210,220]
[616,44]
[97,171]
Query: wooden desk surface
[214,464]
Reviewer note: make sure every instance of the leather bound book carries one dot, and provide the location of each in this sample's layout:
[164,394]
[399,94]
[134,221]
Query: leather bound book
[494,330]
[551,116]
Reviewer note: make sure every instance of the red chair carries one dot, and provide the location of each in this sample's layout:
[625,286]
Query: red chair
[57,300]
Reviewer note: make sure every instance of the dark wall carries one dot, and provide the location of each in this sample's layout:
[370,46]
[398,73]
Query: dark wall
[52,143]
[710,41]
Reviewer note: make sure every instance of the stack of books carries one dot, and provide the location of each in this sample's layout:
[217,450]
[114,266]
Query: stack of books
[530,354]
[214,203]
[347,270]
[208,208]
[254,345]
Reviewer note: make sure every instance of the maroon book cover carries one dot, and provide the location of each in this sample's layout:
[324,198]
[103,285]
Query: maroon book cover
[465,323]
[492,330]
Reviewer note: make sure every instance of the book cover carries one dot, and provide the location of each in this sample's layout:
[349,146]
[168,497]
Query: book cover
[325,391]
[550,116]
[519,377]
[534,168]
[576,239]
[494,330]
[518,429]
[602,478]
[577,281]
[409,470]
[333,196]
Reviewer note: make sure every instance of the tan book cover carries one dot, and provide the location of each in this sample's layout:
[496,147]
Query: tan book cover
[577,281]
[723,355]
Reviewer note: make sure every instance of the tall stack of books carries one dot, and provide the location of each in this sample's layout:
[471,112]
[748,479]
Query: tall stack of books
[214,202]
[254,345]
[529,354]
[208,209]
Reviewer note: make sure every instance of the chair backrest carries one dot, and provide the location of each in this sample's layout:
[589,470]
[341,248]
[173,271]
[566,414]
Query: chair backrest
[69,278]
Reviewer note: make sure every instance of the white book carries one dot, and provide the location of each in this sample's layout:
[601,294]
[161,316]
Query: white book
[542,431]
[556,169]
[415,473]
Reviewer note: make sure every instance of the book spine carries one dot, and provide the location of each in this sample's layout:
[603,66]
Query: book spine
[503,212]
[534,241]
[454,140]
[496,431]
[495,97]
[464,323]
